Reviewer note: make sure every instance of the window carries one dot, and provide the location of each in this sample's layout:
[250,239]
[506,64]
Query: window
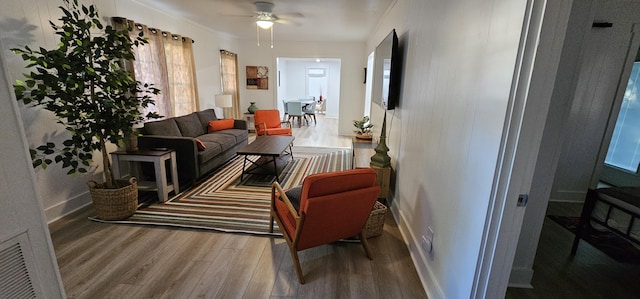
[167,63]
[624,149]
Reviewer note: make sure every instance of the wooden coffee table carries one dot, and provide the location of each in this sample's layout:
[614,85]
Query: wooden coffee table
[269,148]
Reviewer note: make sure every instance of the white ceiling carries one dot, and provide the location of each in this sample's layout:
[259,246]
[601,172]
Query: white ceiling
[323,20]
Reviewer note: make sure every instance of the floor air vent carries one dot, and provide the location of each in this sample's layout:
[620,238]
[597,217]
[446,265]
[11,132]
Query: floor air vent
[15,281]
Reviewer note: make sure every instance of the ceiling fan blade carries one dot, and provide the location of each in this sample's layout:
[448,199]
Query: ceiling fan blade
[287,22]
[237,16]
[291,15]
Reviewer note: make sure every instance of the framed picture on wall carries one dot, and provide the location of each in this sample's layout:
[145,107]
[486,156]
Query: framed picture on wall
[257,77]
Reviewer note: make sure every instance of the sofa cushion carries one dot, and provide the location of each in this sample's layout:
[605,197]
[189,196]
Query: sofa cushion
[166,127]
[294,194]
[205,117]
[213,150]
[225,141]
[238,134]
[221,124]
[190,125]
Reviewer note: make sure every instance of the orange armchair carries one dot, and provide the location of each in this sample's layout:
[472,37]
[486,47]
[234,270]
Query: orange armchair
[327,207]
[268,122]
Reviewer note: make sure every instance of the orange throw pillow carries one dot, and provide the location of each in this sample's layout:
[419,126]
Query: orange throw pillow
[220,124]
[201,145]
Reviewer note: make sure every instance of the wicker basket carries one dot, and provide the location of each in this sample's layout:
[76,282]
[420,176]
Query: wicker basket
[114,204]
[375,223]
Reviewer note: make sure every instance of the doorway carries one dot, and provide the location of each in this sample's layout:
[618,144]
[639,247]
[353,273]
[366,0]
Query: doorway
[597,60]
[309,77]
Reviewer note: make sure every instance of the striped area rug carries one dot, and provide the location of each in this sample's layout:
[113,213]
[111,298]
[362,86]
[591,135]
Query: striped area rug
[223,203]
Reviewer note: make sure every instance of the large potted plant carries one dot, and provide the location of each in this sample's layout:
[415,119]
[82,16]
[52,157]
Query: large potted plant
[85,84]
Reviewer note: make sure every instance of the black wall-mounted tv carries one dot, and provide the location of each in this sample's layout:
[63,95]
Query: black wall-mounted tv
[387,72]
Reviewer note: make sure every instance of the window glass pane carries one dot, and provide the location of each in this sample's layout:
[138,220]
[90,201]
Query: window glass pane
[316,73]
[624,149]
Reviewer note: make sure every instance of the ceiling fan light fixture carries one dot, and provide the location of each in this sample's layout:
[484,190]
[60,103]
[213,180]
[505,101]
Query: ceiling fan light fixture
[264,24]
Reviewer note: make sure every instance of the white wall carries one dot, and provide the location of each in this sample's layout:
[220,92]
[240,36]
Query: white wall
[445,136]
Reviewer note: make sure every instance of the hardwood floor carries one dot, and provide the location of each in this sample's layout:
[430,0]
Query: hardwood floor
[588,274]
[322,134]
[99,260]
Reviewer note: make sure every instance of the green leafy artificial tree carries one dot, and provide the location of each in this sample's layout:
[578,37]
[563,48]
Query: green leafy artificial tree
[84,82]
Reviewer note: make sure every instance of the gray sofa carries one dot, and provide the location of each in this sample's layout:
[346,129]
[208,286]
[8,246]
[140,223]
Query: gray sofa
[180,133]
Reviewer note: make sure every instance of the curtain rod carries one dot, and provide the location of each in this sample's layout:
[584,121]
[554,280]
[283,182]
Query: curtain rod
[140,26]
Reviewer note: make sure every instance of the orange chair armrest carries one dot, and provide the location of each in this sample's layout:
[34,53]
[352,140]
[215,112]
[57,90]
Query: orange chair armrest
[287,123]
[276,187]
[262,126]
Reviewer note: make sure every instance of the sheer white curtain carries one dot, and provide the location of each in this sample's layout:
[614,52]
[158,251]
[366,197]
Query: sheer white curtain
[180,69]
[229,72]
[167,62]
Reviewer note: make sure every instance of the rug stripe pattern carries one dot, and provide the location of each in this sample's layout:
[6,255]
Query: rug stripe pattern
[222,203]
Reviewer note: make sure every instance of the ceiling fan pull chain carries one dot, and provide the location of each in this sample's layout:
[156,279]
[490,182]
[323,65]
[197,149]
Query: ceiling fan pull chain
[258,34]
[272,37]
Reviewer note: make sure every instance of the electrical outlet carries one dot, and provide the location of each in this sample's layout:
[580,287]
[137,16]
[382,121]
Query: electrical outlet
[427,241]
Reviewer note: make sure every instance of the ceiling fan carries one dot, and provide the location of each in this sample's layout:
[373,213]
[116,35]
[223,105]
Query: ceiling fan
[265,16]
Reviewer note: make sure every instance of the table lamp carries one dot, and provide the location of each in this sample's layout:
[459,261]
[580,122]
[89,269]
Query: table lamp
[223,101]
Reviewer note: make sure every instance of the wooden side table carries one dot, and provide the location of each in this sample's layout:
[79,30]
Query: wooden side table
[159,159]
[362,150]
[250,122]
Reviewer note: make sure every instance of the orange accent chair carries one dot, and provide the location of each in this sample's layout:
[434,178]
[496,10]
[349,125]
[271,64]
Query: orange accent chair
[268,122]
[327,207]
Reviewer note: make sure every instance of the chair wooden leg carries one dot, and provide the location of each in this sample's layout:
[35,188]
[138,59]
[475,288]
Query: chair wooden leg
[296,263]
[271,223]
[365,244]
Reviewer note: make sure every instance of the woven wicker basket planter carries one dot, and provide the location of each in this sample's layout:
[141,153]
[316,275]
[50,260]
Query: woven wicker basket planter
[375,223]
[114,204]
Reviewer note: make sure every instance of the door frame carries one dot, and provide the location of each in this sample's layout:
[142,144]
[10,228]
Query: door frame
[545,25]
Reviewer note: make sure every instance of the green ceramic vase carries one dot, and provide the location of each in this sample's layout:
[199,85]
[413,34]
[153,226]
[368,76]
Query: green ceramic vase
[252,108]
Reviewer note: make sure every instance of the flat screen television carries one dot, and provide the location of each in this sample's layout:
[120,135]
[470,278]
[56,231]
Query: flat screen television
[387,72]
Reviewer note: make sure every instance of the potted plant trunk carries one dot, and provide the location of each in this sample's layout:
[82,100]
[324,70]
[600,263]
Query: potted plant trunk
[85,84]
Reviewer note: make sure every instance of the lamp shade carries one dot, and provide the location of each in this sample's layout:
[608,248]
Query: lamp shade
[264,24]
[223,100]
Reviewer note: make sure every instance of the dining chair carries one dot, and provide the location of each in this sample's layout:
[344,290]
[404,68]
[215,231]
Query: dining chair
[286,111]
[311,111]
[295,111]
[327,207]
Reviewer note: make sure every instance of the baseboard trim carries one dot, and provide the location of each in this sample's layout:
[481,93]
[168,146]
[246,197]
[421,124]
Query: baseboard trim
[521,278]
[425,274]
[67,207]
